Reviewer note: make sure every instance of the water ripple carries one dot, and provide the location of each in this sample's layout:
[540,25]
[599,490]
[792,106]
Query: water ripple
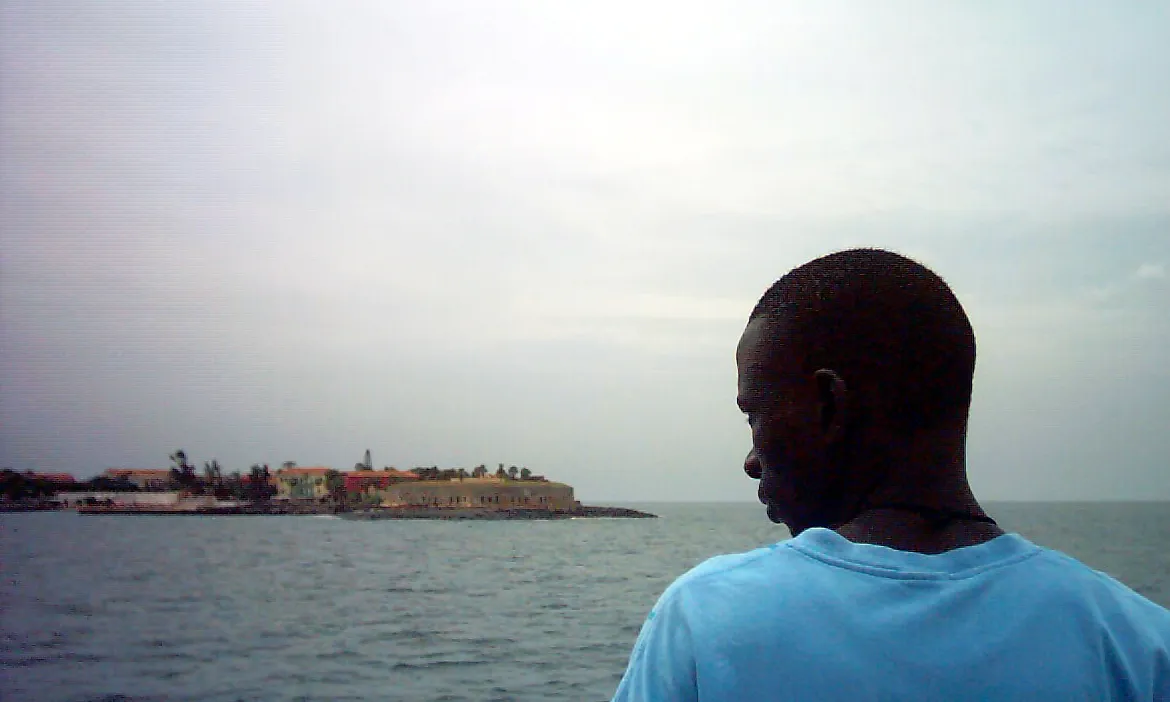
[286,608]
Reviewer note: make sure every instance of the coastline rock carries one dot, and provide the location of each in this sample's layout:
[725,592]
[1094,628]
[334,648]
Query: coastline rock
[496,514]
[448,514]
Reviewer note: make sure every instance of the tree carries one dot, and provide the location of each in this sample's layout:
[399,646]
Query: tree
[512,471]
[233,485]
[183,473]
[260,483]
[212,474]
[366,464]
[179,458]
[288,465]
[15,486]
[335,485]
[102,483]
[255,475]
[525,474]
[462,473]
[479,471]
[500,472]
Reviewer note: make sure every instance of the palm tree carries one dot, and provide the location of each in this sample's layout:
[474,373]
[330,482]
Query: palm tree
[462,473]
[213,481]
[183,473]
[259,485]
[480,471]
[500,472]
[235,484]
[512,471]
[288,465]
[525,474]
[335,485]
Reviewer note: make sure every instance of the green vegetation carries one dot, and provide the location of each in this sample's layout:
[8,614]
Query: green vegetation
[335,484]
[259,486]
[255,486]
[16,486]
[183,473]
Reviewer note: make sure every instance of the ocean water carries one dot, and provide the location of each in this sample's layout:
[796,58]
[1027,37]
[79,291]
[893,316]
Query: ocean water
[317,608]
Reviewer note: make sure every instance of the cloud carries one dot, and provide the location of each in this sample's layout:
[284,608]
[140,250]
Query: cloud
[1150,271]
[264,232]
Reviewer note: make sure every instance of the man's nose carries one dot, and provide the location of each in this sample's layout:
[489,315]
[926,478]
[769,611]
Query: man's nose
[751,465]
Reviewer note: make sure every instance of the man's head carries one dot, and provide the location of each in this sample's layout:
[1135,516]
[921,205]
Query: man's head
[844,359]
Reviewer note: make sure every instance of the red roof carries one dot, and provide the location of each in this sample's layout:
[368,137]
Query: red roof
[56,477]
[381,474]
[139,472]
[316,470]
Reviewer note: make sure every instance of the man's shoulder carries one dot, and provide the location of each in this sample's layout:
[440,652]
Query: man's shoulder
[1117,603]
[734,569]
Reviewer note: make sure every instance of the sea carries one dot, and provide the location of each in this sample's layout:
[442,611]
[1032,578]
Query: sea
[118,607]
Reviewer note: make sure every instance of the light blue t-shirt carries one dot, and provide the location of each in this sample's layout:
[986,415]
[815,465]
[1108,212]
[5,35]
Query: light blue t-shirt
[819,617]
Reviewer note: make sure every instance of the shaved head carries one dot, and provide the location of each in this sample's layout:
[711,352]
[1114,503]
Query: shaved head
[855,373]
[889,326]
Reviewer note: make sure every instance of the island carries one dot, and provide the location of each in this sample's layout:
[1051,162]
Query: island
[514,493]
[577,512]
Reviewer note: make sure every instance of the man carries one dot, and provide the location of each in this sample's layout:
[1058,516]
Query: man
[855,373]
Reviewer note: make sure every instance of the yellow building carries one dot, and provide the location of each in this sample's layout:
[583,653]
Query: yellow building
[480,493]
[301,483]
[145,479]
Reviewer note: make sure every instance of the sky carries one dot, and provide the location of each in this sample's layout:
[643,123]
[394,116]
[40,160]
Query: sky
[456,233]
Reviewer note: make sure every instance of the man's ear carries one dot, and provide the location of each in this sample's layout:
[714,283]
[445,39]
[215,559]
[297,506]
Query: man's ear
[833,405]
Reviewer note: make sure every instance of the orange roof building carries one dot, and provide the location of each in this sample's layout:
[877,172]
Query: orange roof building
[144,478]
[365,480]
[301,483]
[53,477]
[315,470]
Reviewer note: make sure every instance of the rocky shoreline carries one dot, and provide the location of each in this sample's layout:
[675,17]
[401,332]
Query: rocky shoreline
[255,510]
[496,514]
[447,514]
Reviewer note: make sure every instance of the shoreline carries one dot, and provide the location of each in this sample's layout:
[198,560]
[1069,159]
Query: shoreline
[371,514]
[585,512]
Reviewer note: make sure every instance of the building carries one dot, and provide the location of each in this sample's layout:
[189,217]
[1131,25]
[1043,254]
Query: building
[365,481]
[145,479]
[301,483]
[145,499]
[55,478]
[480,493]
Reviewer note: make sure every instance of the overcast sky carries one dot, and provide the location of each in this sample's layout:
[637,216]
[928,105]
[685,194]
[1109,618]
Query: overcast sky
[531,232]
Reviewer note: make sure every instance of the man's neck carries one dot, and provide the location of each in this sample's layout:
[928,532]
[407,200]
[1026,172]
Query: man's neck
[922,501]
[906,531]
